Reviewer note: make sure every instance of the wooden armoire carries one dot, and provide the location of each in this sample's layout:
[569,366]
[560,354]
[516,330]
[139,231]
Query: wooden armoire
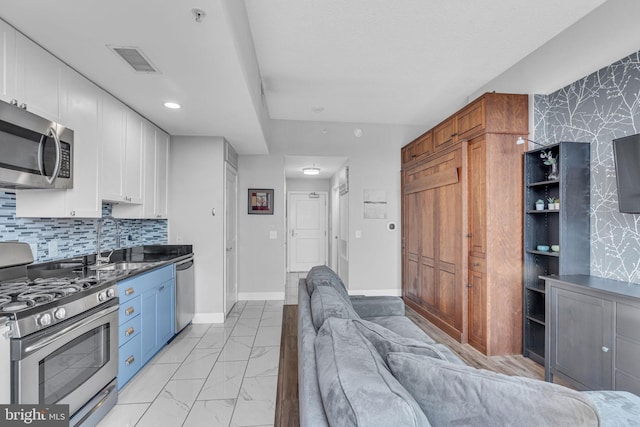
[462,223]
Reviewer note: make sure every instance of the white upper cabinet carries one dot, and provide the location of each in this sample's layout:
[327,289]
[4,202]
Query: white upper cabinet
[7,62]
[79,111]
[121,153]
[155,166]
[37,79]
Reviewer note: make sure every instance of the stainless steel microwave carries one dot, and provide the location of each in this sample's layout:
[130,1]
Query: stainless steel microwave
[34,152]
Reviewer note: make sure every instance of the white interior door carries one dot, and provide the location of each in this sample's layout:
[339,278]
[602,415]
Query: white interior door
[307,230]
[231,233]
[334,228]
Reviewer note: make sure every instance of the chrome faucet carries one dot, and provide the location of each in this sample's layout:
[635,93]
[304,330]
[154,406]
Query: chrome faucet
[99,258]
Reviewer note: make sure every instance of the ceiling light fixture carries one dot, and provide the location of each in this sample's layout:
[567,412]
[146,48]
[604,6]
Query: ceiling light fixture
[198,14]
[311,171]
[172,105]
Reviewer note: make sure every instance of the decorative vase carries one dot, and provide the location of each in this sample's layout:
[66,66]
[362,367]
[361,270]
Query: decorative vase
[553,175]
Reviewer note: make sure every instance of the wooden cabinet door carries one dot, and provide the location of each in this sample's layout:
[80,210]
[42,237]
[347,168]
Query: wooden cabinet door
[477,197]
[444,133]
[433,194]
[582,338]
[477,310]
[471,120]
[411,247]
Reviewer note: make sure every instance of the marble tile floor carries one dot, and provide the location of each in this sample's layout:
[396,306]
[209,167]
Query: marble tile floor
[209,375]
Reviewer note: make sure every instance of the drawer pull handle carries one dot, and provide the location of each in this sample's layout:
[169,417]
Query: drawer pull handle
[129,360]
[129,331]
[475,264]
[161,288]
[129,291]
[605,349]
[129,311]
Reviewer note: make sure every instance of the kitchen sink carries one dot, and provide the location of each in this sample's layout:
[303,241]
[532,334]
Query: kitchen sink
[124,265]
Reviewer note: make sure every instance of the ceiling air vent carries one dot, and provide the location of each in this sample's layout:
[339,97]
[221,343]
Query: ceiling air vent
[135,58]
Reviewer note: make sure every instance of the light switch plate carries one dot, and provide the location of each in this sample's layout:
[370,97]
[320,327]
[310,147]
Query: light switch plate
[273,234]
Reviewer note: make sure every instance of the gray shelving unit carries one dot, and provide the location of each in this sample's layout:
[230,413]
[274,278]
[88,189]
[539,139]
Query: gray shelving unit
[567,227]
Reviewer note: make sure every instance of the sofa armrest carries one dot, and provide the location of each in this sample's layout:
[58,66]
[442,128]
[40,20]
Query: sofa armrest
[377,306]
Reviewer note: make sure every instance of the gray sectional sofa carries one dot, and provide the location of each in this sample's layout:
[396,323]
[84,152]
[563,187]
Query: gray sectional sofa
[362,362]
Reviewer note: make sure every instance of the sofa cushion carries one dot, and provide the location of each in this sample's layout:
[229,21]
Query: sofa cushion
[455,395]
[327,302]
[616,408]
[356,387]
[321,275]
[386,341]
[374,306]
[403,326]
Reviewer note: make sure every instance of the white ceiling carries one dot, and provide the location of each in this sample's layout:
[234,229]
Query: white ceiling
[360,61]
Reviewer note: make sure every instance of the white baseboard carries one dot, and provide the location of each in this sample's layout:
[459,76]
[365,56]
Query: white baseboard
[253,296]
[208,318]
[376,292]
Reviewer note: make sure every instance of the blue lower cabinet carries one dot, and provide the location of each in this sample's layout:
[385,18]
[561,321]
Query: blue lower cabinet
[130,361]
[147,318]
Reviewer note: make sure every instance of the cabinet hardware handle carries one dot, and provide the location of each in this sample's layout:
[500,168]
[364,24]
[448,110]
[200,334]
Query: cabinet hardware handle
[72,213]
[129,360]
[23,106]
[129,311]
[129,331]
[605,349]
[161,288]
[129,291]
[468,285]
[469,235]
[475,264]
[14,102]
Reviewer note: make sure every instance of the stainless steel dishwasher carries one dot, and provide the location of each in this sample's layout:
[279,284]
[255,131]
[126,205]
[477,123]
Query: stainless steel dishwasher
[185,293]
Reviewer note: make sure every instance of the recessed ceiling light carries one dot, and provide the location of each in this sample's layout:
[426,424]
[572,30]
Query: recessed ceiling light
[172,105]
[311,171]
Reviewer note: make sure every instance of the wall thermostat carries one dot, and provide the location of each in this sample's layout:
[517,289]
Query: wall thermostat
[391,226]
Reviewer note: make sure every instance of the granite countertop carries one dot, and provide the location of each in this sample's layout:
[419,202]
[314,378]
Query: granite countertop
[158,255]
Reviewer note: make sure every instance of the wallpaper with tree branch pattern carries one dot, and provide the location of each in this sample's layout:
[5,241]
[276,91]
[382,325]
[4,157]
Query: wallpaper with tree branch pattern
[597,109]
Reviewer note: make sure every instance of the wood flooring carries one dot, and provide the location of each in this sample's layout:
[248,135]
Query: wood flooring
[287,394]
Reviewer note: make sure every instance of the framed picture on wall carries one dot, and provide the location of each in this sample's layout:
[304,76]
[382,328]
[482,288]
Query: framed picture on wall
[260,201]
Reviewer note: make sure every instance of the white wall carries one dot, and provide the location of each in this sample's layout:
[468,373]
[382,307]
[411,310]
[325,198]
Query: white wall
[374,163]
[261,260]
[301,184]
[196,168]
[607,34]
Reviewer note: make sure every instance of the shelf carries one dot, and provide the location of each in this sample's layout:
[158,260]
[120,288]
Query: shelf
[547,253]
[542,183]
[538,318]
[536,288]
[535,211]
[535,354]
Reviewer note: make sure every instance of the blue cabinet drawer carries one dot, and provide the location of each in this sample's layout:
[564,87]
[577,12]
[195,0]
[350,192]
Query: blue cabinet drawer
[127,290]
[129,361]
[129,310]
[128,330]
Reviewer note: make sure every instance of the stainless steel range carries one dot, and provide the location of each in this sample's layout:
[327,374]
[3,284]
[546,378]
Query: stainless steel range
[63,336]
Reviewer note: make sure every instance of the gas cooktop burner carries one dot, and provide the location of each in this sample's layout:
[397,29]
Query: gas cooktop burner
[11,307]
[22,294]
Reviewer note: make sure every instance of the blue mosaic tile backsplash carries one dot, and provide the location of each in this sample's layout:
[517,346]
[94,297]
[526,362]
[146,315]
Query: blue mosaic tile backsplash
[74,237]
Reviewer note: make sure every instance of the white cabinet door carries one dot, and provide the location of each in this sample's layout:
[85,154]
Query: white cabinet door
[112,143]
[162,173]
[133,168]
[7,62]
[149,197]
[79,110]
[38,78]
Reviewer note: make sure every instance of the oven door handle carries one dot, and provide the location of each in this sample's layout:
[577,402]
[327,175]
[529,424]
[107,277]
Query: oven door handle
[45,342]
